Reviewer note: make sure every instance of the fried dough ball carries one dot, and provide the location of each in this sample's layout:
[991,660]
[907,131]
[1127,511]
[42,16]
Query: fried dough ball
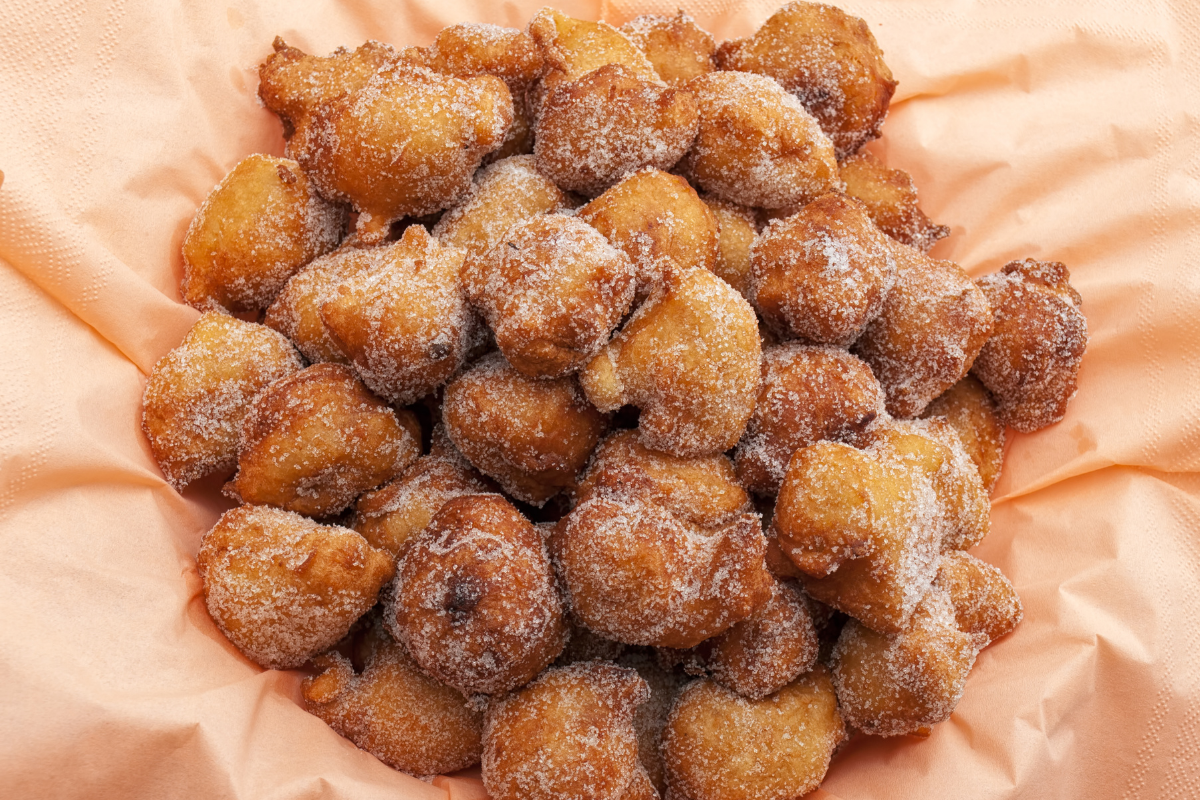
[475,601]
[571,48]
[257,227]
[736,231]
[470,49]
[678,48]
[1031,362]
[903,682]
[932,326]
[405,144]
[757,146]
[689,359]
[530,436]
[404,323]
[392,516]
[768,650]
[567,736]
[891,200]
[985,603]
[198,393]
[970,410]
[504,193]
[593,131]
[826,58]
[718,745]
[396,713]
[656,219]
[314,441]
[552,290]
[808,394]
[823,273]
[283,588]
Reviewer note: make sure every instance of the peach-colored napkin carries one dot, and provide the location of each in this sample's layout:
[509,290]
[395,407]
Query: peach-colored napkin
[1065,131]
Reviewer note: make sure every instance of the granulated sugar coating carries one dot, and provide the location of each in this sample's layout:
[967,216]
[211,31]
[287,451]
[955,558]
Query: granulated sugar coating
[403,323]
[314,441]
[971,411]
[678,48]
[932,326]
[284,588]
[475,601]
[197,395]
[826,58]
[718,745]
[808,394]
[823,273]
[985,604]
[569,735]
[757,145]
[593,131]
[261,223]
[552,290]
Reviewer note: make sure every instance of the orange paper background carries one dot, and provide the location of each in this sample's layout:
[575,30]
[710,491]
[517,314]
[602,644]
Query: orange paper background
[1057,130]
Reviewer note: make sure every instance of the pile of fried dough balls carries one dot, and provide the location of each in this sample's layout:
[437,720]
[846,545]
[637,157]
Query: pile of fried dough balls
[630,443]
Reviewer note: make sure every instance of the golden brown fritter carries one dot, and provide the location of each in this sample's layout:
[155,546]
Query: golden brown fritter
[720,746]
[567,736]
[969,408]
[552,290]
[395,712]
[257,227]
[283,588]
[475,601]
[826,58]
[986,605]
[757,146]
[404,323]
[737,230]
[808,394]
[197,394]
[822,273]
[689,359]
[891,200]
[531,436]
[470,49]
[504,194]
[656,219]
[904,682]
[932,326]
[314,441]
[678,48]
[593,131]
[1031,362]
[571,48]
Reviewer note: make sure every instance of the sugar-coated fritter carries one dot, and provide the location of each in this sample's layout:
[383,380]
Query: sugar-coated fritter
[569,735]
[971,411]
[475,602]
[986,605]
[404,145]
[757,145]
[197,394]
[891,200]
[395,712]
[571,48]
[933,324]
[718,745]
[314,441]
[808,394]
[678,48]
[656,219]
[404,323]
[736,231]
[826,58]
[689,359]
[593,131]
[282,587]
[904,682]
[1031,362]
[822,273]
[257,227]
[504,193]
[665,685]
[552,290]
